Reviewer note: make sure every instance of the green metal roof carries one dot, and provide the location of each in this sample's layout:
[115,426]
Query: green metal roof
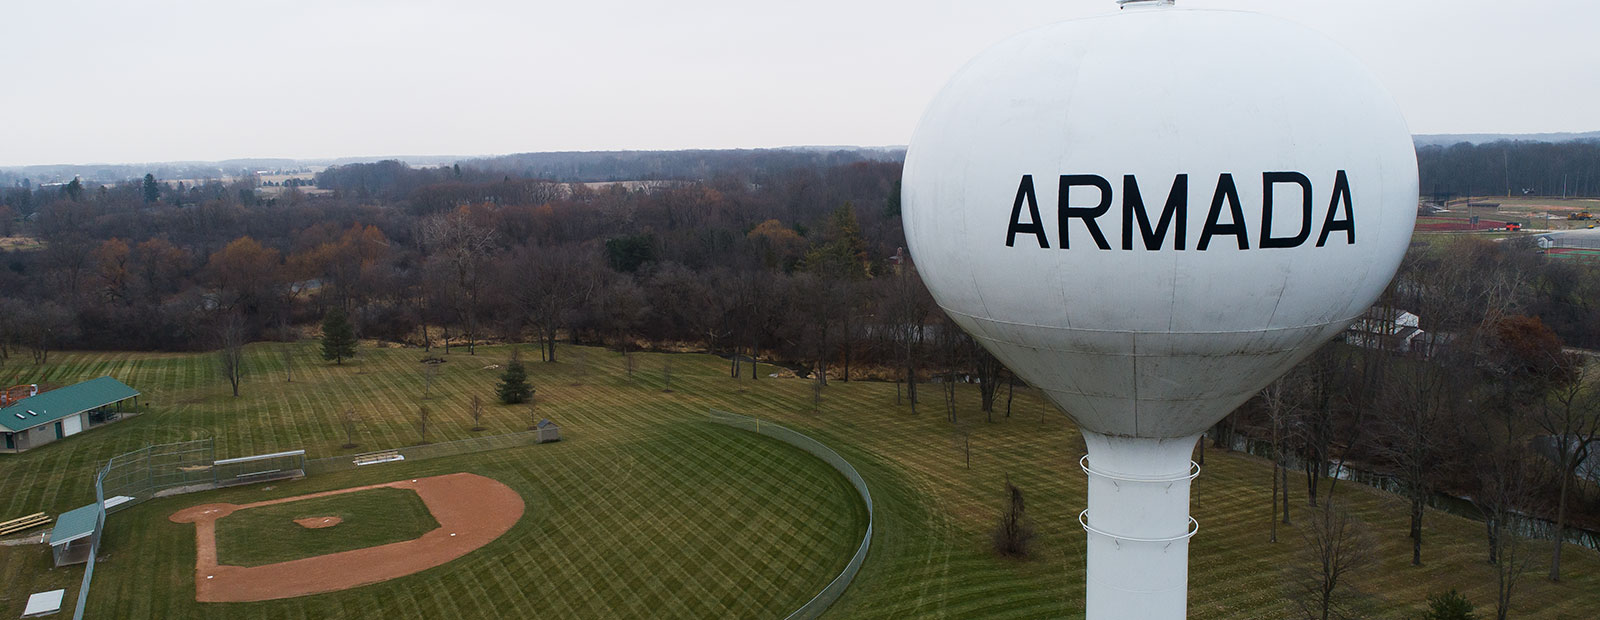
[74,524]
[71,400]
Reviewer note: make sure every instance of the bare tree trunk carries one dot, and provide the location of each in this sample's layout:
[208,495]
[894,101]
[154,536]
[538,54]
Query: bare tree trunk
[1274,536]
[1416,528]
[1561,528]
[1011,391]
[1283,474]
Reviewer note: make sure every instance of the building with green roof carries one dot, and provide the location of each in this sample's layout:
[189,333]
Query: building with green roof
[57,414]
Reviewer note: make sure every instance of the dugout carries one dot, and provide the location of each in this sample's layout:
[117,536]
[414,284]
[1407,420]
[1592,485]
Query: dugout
[74,536]
[57,414]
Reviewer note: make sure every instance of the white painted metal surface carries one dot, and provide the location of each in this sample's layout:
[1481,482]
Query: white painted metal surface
[42,603]
[71,425]
[1147,335]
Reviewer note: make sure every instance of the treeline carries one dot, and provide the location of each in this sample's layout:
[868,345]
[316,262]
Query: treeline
[1510,168]
[755,165]
[1485,402]
[394,180]
[441,256]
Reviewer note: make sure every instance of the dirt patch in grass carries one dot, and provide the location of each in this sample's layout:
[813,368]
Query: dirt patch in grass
[317,523]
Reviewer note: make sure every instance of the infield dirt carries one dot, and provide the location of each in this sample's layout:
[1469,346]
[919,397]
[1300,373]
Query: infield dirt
[472,510]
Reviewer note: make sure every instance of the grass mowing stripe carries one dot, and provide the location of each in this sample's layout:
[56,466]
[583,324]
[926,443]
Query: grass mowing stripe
[929,554]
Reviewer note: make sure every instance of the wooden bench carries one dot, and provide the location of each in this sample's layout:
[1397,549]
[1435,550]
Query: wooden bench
[373,458]
[24,523]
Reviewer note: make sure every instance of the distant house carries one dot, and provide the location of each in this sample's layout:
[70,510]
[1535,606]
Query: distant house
[57,414]
[1391,329]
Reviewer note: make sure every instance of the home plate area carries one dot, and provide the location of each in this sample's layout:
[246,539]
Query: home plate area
[471,511]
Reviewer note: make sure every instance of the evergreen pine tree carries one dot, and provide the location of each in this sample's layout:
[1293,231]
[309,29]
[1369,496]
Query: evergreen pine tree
[338,337]
[514,387]
[152,190]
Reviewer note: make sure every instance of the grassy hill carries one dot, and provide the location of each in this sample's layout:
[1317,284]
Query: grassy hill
[636,461]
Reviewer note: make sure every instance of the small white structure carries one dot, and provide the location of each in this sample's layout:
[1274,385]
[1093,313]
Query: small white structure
[43,603]
[1391,329]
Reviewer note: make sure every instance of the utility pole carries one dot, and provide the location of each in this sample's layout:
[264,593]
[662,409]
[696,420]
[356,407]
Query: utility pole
[1506,158]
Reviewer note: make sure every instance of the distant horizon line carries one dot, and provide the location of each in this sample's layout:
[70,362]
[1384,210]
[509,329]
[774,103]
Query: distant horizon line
[1431,138]
[360,158]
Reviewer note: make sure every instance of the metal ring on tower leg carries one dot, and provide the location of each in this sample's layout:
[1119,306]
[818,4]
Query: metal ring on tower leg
[1194,472]
[1083,519]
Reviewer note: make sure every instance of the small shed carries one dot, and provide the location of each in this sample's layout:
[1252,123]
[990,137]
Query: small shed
[548,431]
[74,536]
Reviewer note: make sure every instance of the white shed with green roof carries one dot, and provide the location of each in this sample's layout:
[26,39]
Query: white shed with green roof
[57,414]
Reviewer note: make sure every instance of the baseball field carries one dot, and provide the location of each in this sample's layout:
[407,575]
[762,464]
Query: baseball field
[647,509]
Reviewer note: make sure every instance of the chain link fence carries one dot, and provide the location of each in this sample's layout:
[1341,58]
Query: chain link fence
[835,588]
[153,471]
[331,464]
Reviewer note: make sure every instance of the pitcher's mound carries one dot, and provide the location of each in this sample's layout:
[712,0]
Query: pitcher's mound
[317,523]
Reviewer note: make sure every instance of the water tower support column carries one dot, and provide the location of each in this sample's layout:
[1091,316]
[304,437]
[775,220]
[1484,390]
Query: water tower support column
[1138,526]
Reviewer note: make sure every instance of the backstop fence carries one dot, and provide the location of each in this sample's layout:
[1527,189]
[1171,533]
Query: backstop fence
[144,474]
[835,588]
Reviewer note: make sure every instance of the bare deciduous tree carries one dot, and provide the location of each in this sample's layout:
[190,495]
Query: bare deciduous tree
[1014,534]
[463,244]
[1335,545]
[422,424]
[349,419]
[1282,400]
[907,305]
[430,373]
[987,368]
[817,386]
[1502,496]
[230,354]
[477,413]
[1570,414]
[1414,437]
[286,353]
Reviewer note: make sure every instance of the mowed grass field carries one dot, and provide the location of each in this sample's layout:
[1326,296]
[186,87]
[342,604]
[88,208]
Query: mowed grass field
[269,534]
[645,509]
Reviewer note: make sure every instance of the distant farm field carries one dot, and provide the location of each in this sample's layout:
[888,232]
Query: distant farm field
[646,509]
[1537,212]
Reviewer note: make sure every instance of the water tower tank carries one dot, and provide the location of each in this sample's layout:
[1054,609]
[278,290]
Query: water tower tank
[1150,216]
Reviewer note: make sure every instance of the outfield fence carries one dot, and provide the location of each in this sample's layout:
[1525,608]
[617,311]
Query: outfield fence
[331,464]
[835,588]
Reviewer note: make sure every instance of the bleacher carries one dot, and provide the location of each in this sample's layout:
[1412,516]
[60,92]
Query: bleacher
[22,524]
[373,458]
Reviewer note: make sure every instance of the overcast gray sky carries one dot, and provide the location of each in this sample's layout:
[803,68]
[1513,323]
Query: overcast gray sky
[118,81]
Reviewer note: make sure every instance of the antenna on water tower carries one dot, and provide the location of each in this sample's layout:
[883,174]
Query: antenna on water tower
[1151,266]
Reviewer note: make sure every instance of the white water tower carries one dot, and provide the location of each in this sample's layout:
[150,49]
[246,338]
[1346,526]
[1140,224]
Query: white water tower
[1150,216]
